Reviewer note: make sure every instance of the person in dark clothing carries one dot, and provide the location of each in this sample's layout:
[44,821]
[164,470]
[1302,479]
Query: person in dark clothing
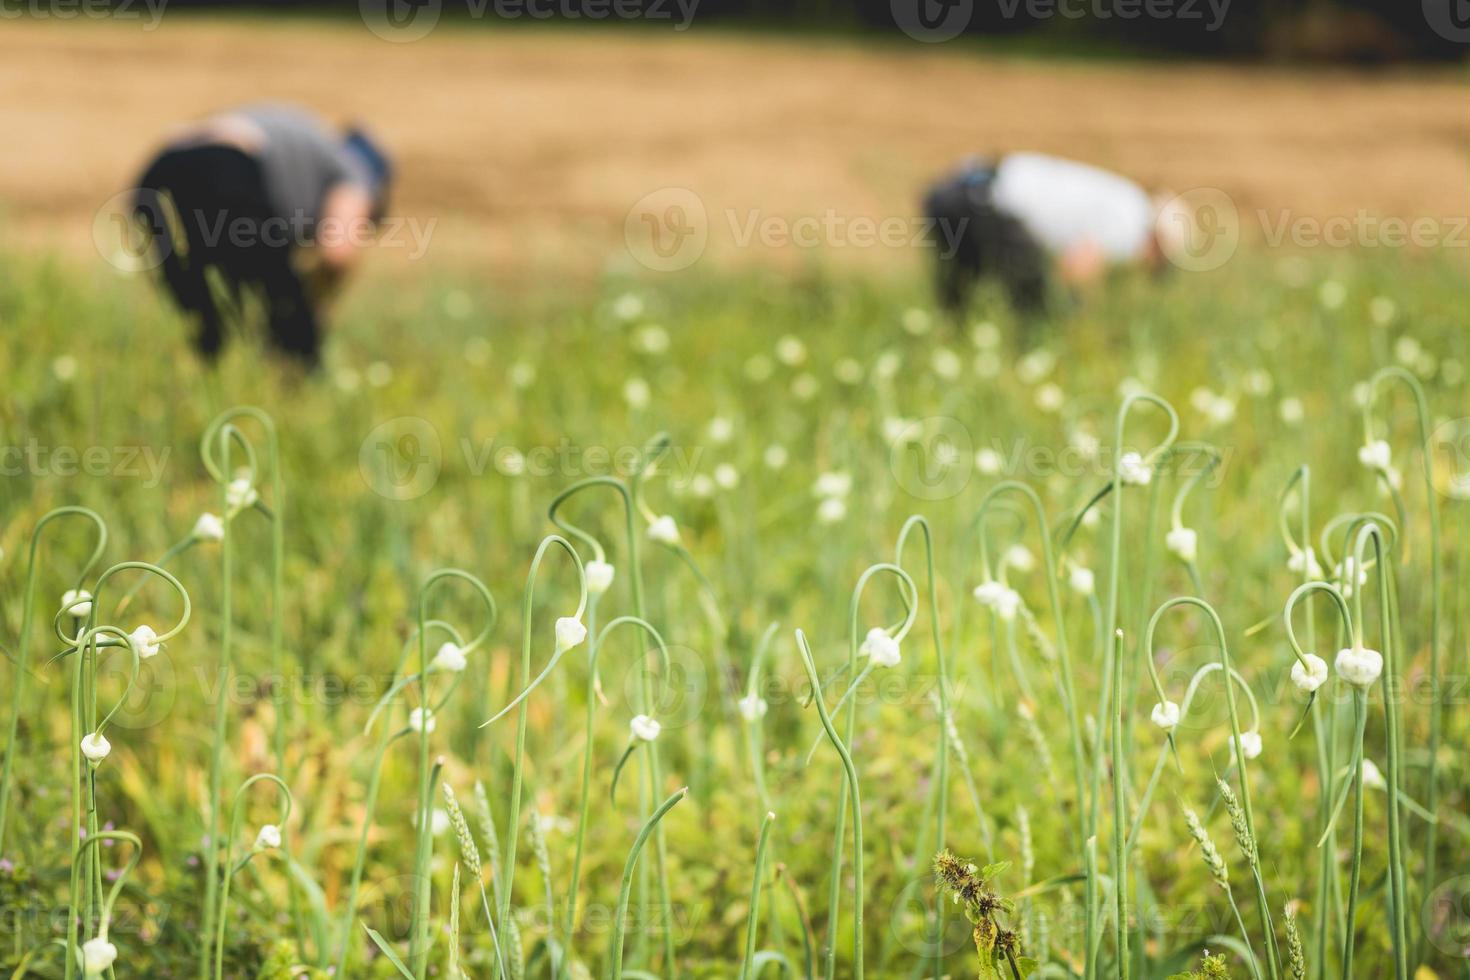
[1026,219]
[986,242]
[260,205]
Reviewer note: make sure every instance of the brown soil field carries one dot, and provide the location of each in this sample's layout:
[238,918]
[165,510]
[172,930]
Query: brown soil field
[529,146]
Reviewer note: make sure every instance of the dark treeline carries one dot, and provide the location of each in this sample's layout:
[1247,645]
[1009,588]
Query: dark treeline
[1349,31]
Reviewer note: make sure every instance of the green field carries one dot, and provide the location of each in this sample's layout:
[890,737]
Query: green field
[448,420]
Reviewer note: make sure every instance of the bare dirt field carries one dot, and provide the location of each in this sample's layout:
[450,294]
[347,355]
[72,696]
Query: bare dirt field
[528,147]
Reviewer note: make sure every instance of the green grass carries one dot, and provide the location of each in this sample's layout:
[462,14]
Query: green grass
[517,388]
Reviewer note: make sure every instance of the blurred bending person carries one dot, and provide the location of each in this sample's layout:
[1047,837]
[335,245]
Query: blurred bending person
[262,207]
[1026,220]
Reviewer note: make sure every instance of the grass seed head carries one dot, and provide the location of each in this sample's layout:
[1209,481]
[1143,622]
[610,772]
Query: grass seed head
[1243,838]
[1211,854]
[469,853]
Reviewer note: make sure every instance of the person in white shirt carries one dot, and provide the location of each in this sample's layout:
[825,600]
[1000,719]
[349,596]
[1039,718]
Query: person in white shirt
[1027,218]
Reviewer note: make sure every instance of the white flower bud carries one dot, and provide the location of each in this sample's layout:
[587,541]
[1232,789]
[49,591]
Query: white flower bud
[664,530]
[1291,410]
[416,720]
[569,633]
[1183,543]
[144,642]
[637,393]
[95,747]
[898,430]
[1250,744]
[240,494]
[753,707]
[1082,580]
[988,461]
[1019,557]
[1050,397]
[702,486]
[209,527]
[1359,666]
[831,510]
[721,429]
[881,647]
[1350,575]
[599,576]
[1165,715]
[450,658]
[1311,676]
[97,955]
[790,350]
[1372,775]
[1004,600]
[83,602]
[1376,455]
[833,484]
[1132,469]
[1304,560]
[268,838]
[645,728]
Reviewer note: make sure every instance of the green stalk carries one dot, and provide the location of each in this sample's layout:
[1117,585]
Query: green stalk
[527,610]
[652,453]
[418,936]
[231,869]
[1168,746]
[753,731]
[753,917]
[1272,956]
[1113,636]
[1360,712]
[1398,889]
[857,811]
[370,803]
[1064,656]
[1431,800]
[226,435]
[941,750]
[616,954]
[596,649]
[281,705]
[585,799]
[23,654]
[834,895]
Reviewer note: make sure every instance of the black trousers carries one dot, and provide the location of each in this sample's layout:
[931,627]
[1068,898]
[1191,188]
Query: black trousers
[207,207]
[986,242]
